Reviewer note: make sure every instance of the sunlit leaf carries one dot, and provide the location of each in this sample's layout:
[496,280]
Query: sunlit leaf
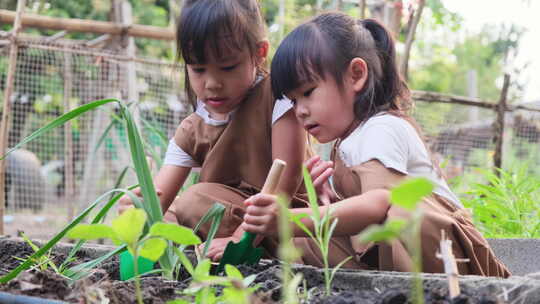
[128,227]
[391,230]
[91,232]
[409,193]
[176,233]
[152,249]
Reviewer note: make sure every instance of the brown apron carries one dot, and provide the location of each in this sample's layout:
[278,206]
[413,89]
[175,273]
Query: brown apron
[235,159]
[438,214]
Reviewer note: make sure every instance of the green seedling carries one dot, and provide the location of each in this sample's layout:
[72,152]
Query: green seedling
[324,228]
[202,288]
[127,229]
[45,261]
[407,195]
[288,253]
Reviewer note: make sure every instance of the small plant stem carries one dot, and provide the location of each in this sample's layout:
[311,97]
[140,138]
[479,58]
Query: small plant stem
[415,241]
[137,279]
[327,281]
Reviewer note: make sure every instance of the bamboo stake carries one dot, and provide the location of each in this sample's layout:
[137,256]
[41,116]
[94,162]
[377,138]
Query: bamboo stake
[4,125]
[498,126]
[450,265]
[89,26]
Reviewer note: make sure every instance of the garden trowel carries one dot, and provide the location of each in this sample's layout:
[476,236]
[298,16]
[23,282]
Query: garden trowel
[243,252]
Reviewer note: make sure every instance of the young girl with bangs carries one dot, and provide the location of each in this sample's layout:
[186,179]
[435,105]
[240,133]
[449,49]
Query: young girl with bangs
[342,78]
[237,127]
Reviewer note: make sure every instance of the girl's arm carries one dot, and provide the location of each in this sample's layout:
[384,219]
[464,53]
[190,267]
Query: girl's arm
[167,183]
[289,144]
[354,214]
[169,180]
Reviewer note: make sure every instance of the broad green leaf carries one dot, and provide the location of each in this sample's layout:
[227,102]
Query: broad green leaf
[409,193]
[178,301]
[152,249]
[391,230]
[176,233]
[202,270]
[233,295]
[91,232]
[129,225]
[233,272]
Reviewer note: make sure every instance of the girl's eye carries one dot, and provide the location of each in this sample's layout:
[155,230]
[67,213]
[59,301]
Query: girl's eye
[308,92]
[198,70]
[229,68]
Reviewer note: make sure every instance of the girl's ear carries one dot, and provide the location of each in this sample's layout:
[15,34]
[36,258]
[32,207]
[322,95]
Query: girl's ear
[358,70]
[262,51]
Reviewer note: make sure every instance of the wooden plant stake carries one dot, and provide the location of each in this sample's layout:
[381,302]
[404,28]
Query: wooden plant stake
[450,265]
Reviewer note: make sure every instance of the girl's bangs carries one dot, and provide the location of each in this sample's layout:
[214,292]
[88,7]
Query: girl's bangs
[298,60]
[204,31]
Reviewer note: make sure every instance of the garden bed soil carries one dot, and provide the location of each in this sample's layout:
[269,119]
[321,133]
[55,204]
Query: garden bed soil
[349,286]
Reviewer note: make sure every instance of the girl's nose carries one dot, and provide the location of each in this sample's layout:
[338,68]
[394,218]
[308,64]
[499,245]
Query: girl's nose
[213,84]
[301,111]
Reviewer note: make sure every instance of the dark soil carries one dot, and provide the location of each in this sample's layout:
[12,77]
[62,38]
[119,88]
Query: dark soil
[104,284]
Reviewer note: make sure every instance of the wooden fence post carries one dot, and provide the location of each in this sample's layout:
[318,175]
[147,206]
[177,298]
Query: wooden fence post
[498,126]
[4,125]
[69,176]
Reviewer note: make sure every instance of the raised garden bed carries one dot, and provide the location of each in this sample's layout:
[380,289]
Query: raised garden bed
[348,286]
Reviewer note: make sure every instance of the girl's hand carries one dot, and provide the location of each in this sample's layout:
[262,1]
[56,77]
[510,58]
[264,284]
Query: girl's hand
[320,172]
[261,215]
[217,247]
[126,202]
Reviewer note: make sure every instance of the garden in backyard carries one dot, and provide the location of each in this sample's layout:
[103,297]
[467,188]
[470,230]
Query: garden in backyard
[93,92]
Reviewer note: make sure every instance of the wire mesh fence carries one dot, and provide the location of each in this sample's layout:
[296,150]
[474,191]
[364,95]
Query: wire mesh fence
[52,78]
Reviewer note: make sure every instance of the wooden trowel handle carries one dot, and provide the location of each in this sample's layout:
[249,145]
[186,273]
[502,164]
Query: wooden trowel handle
[272,180]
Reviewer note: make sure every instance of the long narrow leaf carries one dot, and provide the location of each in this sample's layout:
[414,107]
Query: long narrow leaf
[98,218]
[141,168]
[60,121]
[31,259]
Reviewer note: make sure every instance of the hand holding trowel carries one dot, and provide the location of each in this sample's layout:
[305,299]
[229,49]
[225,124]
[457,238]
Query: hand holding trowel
[243,252]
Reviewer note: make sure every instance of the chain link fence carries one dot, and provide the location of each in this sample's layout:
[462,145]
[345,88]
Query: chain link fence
[52,78]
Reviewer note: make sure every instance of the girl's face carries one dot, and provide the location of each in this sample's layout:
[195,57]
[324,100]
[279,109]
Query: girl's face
[222,83]
[325,110]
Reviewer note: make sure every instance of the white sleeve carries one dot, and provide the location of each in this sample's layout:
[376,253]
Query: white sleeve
[282,106]
[387,144]
[177,157]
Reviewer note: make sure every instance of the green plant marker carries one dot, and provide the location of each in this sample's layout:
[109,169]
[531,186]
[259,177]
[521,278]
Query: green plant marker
[127,271]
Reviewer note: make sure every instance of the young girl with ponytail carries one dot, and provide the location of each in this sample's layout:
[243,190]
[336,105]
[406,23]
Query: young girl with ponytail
[342,78]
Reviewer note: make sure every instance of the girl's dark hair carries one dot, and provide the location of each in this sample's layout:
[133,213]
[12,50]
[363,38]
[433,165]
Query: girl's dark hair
[214,26]
[326,45]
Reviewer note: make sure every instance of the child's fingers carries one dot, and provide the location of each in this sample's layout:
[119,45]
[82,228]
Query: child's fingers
[323,177]
[311,162]
[259,220]
[260,200]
